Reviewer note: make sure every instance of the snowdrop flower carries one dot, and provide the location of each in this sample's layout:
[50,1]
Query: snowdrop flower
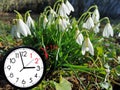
[96,16]
[45,21]
[51,15]
[105,85]
[63,10]
[96,28]
[63,24]
[88,24]
[87,46]
[118,59]
[30,22]
[70,7]
[79,37]
[119,35]
[20,28]
[108,31]
[14,32]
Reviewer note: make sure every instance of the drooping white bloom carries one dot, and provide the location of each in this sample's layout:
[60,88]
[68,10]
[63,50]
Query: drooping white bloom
[96,16]
[119,35]
[63,10]
[108,31]
[105,85]
[88,24]
[70,7]
[30,22]
[96,28]
[87,46]
[14,32]
[63,24]
[51,16]
[45,21]
[79,37]
[20,28]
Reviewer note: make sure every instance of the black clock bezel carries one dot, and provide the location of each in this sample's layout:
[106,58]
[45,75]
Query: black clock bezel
[38,52]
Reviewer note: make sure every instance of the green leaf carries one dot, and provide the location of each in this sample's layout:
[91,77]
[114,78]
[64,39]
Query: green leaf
[118,70]
[63,85]
[100,50]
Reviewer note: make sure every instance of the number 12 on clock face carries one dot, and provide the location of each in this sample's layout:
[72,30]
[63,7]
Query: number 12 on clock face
[24,67]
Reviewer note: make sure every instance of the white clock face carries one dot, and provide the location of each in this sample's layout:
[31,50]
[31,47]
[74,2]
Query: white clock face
[23,67]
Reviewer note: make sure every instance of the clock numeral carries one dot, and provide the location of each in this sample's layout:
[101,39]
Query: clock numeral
[31,80]
[23,81]
[38,68]
[11,75]
[30,55]
[36,75]
[17,55]
[17,79]
[24,53]
[8,67]
[12,60]
[36,60]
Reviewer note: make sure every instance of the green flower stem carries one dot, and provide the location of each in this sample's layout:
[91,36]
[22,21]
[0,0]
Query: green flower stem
[86,31]
[47,8]
[84,17]
[57,9]
[27,14]
[105,18]
[43,42]
[94,6]
[18,16]
[93,61]
[55,5]
[81,17]
[98,58]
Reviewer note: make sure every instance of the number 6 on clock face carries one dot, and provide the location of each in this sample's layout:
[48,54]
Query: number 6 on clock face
[23,67]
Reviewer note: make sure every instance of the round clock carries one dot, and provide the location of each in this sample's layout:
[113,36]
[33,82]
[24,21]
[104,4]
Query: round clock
[24,67]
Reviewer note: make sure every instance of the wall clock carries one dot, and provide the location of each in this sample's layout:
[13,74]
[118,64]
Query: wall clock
[24,67]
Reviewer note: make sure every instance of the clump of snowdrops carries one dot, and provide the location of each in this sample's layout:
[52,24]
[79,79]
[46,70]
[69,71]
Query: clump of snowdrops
[84,45]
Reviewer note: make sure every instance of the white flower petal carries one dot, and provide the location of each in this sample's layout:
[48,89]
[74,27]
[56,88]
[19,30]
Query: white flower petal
[105,85]
[119,35]
[17,35]
[87,46]
[21,28]
[27,29]
[63,10]
[96,28]
[51,16]
[88,24]
[30,22]
[63,24]
[13,30]
[96,16]
[91,49]
[45,21]
[79,38]
[108,31]
[70,7]
[83,48]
